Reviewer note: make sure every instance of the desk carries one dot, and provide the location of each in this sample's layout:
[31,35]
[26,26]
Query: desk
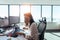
[4,37]
[17,38]
[20,37]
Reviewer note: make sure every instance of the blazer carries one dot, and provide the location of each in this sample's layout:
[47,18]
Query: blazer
[34,31]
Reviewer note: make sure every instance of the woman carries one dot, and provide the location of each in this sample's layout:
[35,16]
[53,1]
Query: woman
[31,25]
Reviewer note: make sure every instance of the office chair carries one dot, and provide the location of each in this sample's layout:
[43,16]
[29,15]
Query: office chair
[42,28]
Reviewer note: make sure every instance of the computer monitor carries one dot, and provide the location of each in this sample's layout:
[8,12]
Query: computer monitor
[14,19]
[10,20]
[4,21]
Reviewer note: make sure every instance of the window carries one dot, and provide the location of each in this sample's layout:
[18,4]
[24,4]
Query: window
[36,12]
[14,10]
[46,12]
[23,9]
[3,15]
[56,13]
[3,11]
[14,14]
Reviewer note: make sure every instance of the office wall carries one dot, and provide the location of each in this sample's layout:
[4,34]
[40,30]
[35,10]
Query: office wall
[49,2]
[53,25]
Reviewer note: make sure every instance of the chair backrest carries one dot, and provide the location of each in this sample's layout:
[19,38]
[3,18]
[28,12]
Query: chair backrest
[42,27]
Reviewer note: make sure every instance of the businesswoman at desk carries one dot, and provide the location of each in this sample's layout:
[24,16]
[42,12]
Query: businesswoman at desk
[30,25]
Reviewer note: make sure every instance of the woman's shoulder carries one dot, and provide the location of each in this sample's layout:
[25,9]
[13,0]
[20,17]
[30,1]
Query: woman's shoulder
[33,24]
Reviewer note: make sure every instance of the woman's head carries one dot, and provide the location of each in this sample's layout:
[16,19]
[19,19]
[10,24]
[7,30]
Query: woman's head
[28,18]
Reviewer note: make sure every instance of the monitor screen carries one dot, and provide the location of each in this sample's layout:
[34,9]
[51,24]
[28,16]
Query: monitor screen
[4,21]
[14,19]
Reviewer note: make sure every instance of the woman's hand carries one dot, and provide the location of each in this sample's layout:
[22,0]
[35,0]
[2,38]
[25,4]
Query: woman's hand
[25,28]
[20,33]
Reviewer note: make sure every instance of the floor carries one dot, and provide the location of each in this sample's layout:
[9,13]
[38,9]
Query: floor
[48,36]
[52,36]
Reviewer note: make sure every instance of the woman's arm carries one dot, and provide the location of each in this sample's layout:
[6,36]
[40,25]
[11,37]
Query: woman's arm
[34,31]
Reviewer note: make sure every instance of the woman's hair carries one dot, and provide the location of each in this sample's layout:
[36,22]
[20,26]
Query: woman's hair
[31,18]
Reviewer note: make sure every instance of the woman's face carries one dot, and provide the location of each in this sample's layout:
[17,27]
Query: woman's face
[27,19]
